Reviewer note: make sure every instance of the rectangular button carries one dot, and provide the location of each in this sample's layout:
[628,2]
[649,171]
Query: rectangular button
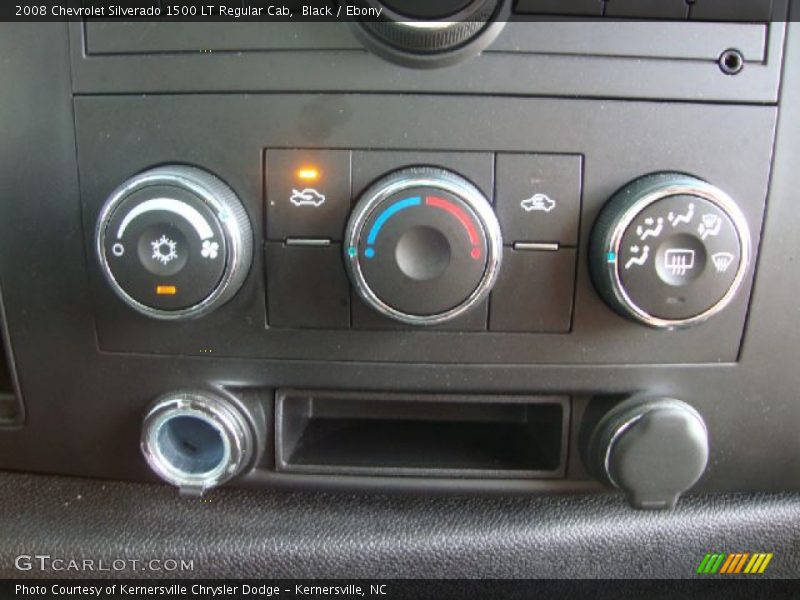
[534,292]
[308,193]
[759,11]
[648,9]
[539,197]
[589,8]
[307,287]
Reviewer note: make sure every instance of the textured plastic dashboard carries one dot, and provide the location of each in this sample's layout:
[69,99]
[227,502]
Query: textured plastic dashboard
[251,534]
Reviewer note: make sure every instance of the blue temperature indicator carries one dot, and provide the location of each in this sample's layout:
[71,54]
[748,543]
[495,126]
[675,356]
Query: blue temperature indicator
[385,216]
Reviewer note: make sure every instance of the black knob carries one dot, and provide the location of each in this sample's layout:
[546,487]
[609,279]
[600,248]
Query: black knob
[174,242]
[651,449]
[425,34]
[669,250]
[423,246]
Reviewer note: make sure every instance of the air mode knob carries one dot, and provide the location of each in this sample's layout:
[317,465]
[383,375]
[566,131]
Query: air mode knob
[669,250]
[174,242]
[423,246]
[425,33]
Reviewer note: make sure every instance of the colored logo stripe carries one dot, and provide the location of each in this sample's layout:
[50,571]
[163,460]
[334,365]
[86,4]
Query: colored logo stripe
[758,563]
[711,563]
[734,563]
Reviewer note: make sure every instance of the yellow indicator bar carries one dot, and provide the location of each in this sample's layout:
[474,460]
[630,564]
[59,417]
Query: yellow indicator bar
[764,564]
[757,564]
[166,290]
[755,559]
[308,173]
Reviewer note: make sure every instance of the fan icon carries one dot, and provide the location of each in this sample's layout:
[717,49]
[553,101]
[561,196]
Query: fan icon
[209,250]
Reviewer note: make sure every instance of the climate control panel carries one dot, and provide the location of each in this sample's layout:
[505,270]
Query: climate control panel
[422,244]
[347,266]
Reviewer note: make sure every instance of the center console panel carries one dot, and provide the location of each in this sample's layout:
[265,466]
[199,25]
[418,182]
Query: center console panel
[543,309]
[264,256]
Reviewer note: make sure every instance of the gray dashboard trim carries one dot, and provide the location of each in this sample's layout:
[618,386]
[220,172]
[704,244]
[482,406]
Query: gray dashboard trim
[620,68]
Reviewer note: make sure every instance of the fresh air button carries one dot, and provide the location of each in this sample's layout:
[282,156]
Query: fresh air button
[539,197]
[308,193]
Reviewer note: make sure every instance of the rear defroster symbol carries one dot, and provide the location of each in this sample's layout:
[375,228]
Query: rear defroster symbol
[679,261]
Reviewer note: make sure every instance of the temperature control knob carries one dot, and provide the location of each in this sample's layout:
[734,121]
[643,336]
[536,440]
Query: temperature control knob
[669,250]
[174,242]
[423,246]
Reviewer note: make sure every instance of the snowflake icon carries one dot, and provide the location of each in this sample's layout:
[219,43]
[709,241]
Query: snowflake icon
[165,250]
[209,249]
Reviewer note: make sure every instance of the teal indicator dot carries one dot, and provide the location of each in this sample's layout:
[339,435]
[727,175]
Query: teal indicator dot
[351,252]
[369,252]
[612,257]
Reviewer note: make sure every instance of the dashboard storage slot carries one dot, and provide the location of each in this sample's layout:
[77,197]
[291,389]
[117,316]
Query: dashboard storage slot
[512,437]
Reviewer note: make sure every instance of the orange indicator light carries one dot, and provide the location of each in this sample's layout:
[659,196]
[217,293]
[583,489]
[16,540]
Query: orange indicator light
[166,290]
[308,174]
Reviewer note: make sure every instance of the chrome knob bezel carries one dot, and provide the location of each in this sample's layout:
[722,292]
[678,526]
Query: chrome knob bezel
[437,178]
[223,415]
[623,208]
[231,217]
